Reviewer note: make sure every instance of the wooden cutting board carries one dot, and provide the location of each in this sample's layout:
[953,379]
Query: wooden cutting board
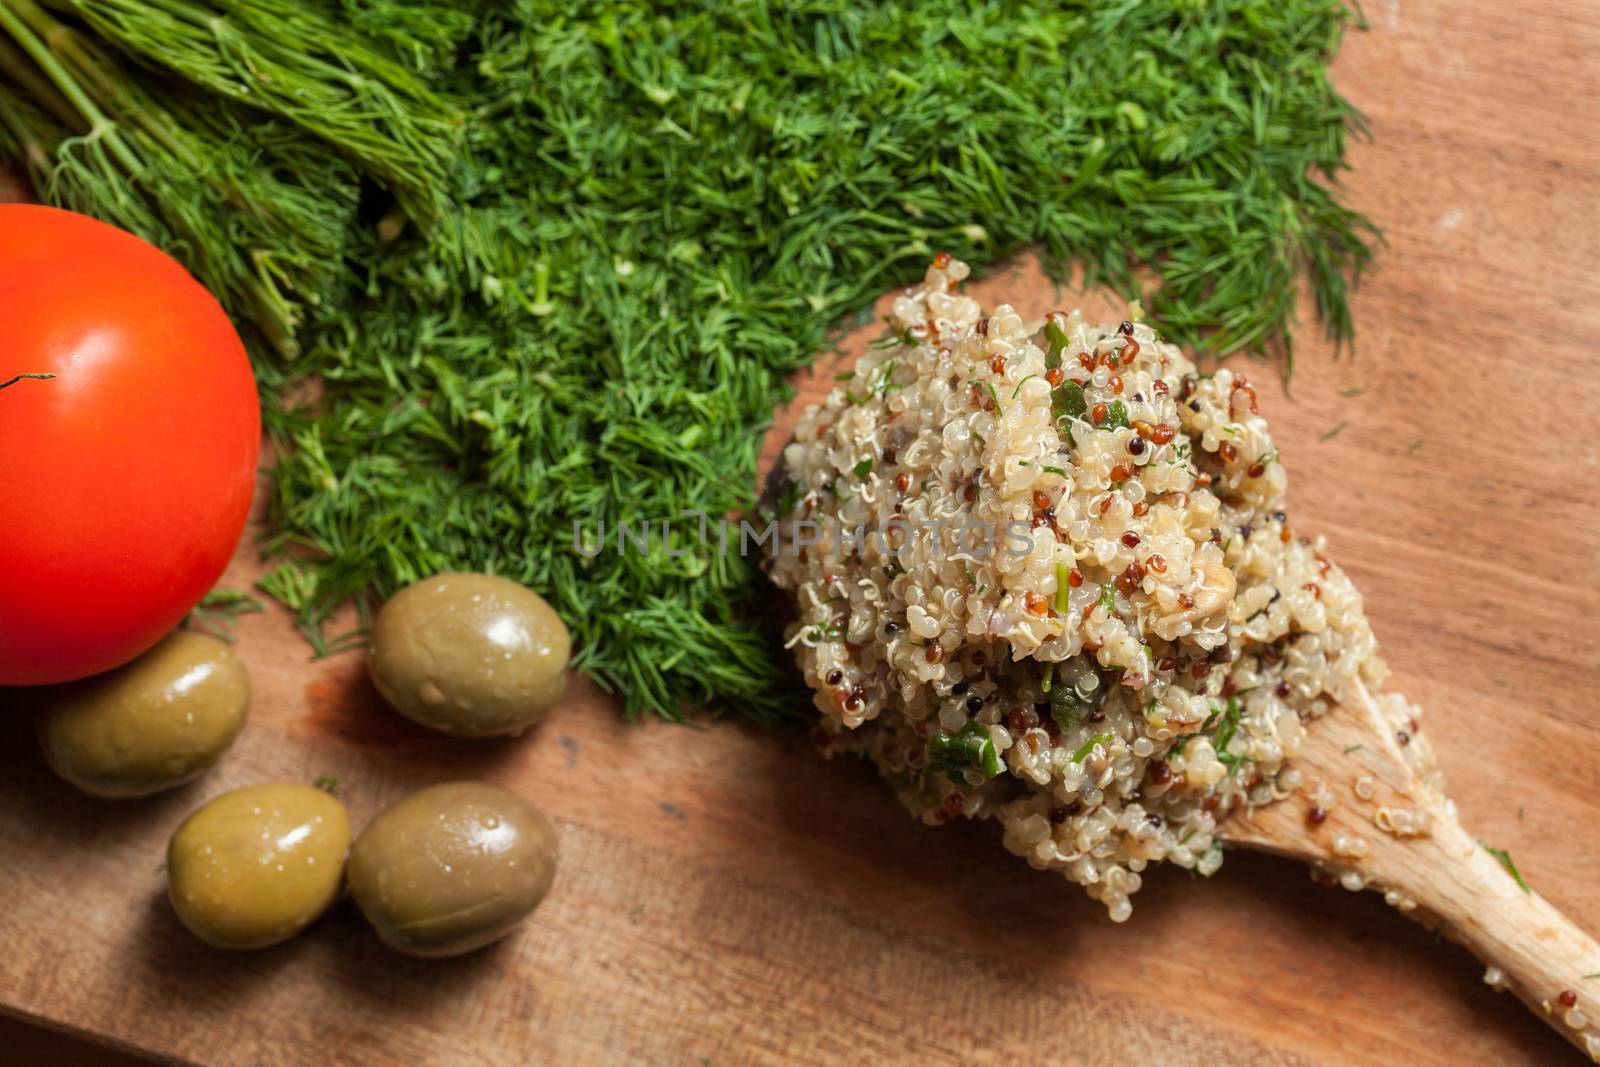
[726,896]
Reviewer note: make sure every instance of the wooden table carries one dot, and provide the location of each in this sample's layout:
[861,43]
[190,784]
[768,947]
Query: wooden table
[726,896]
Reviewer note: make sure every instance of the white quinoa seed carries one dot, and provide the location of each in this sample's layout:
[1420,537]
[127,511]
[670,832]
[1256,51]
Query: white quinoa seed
[1403,822]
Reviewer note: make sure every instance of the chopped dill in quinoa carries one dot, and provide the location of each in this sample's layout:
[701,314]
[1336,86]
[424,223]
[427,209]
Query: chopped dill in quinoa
[1089,745]
[629,223]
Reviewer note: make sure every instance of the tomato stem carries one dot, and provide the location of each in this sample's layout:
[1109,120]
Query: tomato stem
[18,378]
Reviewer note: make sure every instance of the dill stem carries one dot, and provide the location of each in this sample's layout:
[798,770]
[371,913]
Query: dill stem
[68,56]
[22,71]
[112,96]
[15,16]
[34,152]
[273,318]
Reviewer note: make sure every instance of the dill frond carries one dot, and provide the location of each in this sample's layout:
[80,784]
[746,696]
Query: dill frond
[640,218]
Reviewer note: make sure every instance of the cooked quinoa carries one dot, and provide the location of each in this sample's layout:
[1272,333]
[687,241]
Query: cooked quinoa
[1053,582]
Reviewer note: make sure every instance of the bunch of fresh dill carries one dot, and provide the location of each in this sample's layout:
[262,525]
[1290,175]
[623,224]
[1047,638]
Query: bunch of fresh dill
[631,221]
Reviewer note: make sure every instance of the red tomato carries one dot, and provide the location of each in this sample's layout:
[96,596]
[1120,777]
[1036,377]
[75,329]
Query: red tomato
[125,480]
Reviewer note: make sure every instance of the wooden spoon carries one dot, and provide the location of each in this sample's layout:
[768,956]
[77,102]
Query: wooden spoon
[1443,878]
[1367,816]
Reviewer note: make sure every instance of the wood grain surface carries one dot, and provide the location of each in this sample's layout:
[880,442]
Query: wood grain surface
[728,897]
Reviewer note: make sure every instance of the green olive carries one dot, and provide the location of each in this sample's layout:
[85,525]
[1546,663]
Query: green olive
[160,721]
[452,868]
[470,654]
[258,865]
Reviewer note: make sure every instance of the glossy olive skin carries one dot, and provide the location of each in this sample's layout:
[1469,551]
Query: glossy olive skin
[470,654]
[158,722]
[258,865]
[452,868]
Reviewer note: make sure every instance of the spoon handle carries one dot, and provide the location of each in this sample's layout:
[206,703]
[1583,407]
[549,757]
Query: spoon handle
[1364,817]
